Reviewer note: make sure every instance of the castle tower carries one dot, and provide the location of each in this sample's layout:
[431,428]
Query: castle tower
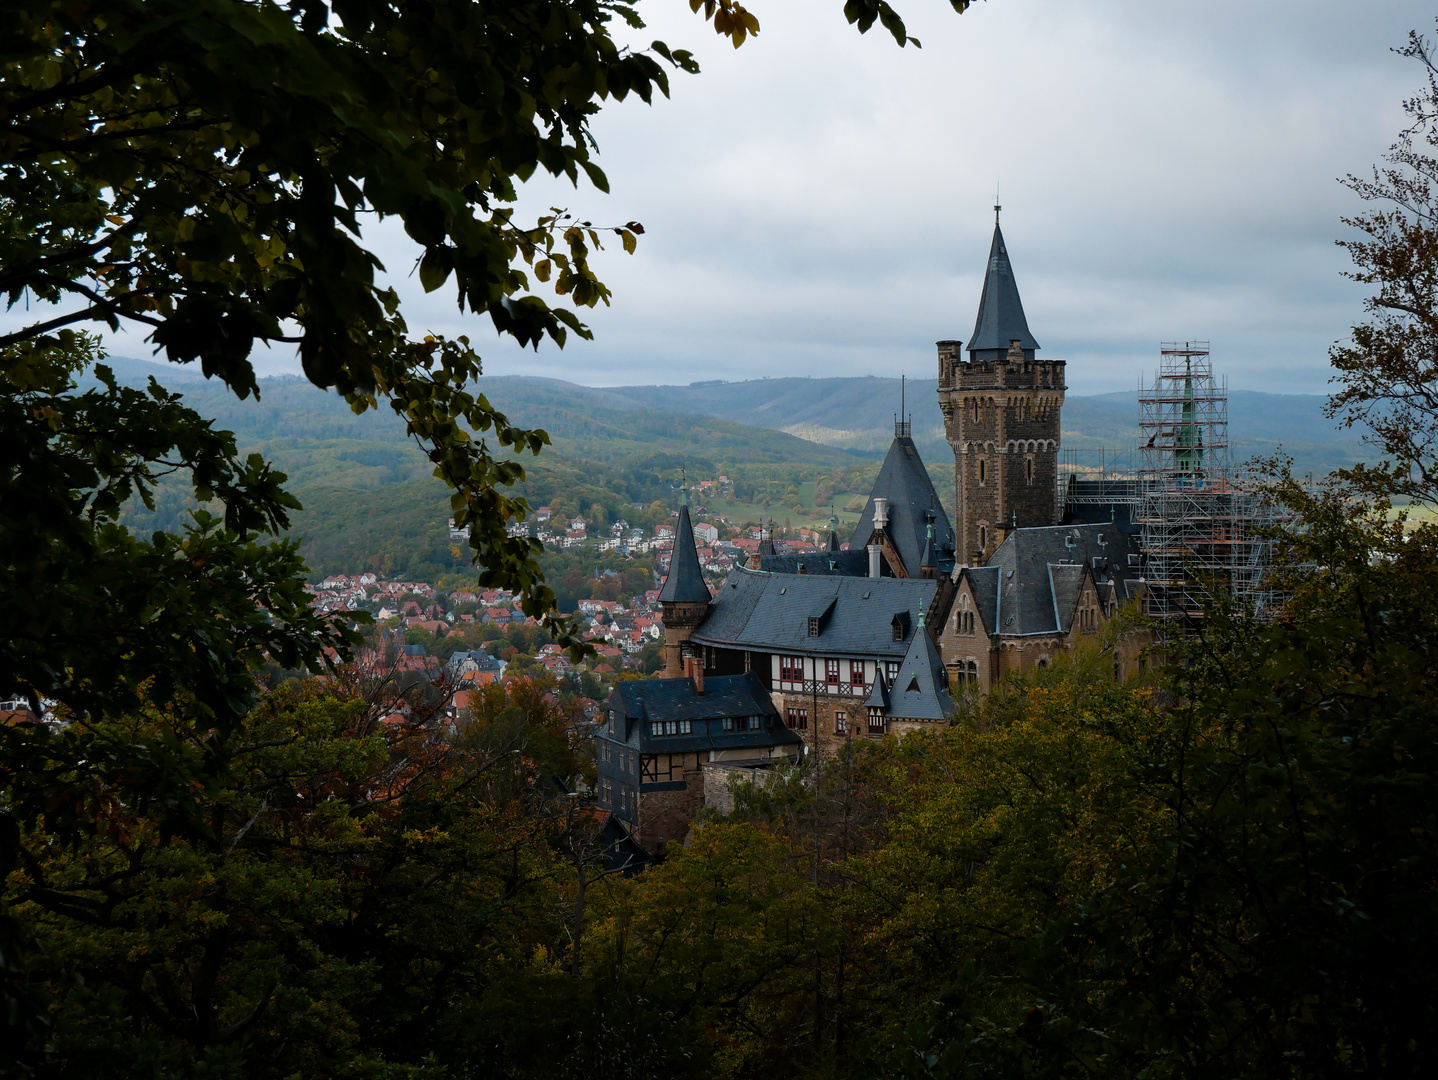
[1001,416]
[684,599]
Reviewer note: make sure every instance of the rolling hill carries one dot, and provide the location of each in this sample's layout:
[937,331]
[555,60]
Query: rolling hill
[367,488]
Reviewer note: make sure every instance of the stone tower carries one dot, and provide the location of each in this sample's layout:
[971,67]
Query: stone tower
[684,599]
[1001,416]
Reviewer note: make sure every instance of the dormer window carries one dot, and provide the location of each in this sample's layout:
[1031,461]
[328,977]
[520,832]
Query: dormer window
[813,626]
[900,626]
[671,727]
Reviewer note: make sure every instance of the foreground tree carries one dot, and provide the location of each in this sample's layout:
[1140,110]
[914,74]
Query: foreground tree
[204,172]
[362,879]
[200,172]
[1387,373]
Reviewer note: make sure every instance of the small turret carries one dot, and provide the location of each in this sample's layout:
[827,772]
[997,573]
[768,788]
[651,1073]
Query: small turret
[684,599]
[928,561]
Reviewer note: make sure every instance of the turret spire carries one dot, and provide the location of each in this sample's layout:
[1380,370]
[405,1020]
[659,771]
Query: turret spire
[1001,318]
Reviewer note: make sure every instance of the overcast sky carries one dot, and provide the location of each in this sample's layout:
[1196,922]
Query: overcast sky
[820,202]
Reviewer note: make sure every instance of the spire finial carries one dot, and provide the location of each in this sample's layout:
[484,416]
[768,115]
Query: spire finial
[921,613]
[683,488]
[997,207]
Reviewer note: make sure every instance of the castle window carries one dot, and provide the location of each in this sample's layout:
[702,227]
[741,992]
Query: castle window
[813,626]
[976,409]
[831,672]
[876,722]
[983,470]
[856,674]
[983,538]
[728,724]
[1029,470]
[791,669]
[841,723]
[799,719]
[891,671]
[752,723]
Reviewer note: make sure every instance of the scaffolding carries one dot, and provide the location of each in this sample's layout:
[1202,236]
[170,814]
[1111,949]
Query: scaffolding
[1205,534]
[1096,477]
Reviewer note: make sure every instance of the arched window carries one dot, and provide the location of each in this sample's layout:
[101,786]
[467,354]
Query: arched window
[1029,470]
[983,538]
[976,409]
[1043,664]
[983,470]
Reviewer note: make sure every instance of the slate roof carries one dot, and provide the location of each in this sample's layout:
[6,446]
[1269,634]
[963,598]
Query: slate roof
[770,613]
[685,583]
[833,563]
[920,692]
[984,580]
[879,696]
[639,701]
[905,482]
[1030,582]
[1001,312]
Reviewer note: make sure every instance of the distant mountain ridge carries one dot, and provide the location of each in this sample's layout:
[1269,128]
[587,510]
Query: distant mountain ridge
[820,421]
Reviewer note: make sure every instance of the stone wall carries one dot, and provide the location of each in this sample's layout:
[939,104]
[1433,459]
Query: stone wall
[722,777]
[668,814]
[822,736]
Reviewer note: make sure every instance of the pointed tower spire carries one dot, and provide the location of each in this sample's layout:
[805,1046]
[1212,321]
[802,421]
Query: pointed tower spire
[928,561]
[684,599]
[1001,318]
[685,583]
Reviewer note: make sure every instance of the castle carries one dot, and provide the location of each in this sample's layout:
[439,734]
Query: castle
[878,638]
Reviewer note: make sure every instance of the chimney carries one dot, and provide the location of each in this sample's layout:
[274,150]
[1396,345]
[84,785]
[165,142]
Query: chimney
[874,553]
[881,513]
[696,673]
